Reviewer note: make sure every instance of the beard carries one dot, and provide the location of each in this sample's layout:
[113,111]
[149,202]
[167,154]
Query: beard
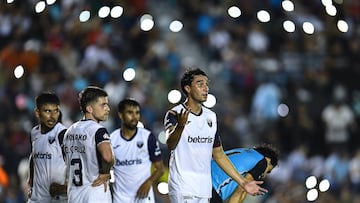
[130,126]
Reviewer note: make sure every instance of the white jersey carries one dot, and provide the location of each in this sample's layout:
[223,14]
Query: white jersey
[80,146]
[49,165]
[189,164]
[133,159]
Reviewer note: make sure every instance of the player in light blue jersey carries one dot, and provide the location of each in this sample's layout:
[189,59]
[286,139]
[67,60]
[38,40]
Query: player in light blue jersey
[193,141]
[136,150]
[253,163]
[47,166]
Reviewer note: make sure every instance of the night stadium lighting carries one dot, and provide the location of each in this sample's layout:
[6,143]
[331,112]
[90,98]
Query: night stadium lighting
[283,110]
[263,16]
[129,74]
[234,12]
[146,16]
[176,26]
[40,6]
[342,25]
[19,71]
[174,96]
[50,2]
[289,26]
[104,12]
[312,195]
[331,10]
[324,185]
[326,2]
[116,11]
[310,182]
[146,22]
[84,16]
[163,188]
[162,137]
[211,101]
[308,28]
[287,5]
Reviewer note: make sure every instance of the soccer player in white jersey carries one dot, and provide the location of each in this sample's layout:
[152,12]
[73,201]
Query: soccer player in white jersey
[88,152]
[193,141]
[47,166]
[136,150]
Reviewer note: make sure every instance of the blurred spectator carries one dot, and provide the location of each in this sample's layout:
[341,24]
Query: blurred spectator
[339,119]
[336,170]
[354,172]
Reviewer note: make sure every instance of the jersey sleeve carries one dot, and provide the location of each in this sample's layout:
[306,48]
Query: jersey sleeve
[101,135]
[169,119]
[217,141]
[154,148]
[259,169]
[61,137]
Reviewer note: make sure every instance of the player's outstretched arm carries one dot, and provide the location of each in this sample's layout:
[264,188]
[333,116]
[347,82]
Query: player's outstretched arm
[175,132]
[251,187]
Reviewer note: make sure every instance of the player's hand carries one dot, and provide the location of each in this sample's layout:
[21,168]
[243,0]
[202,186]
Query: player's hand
[29,192]
[101,179]
[181,116]
[57,189]
[144,189]
[254,189]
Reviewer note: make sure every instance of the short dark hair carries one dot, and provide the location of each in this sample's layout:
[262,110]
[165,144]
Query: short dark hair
[127,102]
[90,94]
[269,151]
[46,98]
[188,77]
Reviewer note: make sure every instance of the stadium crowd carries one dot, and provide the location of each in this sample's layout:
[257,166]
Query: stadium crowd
[253,67]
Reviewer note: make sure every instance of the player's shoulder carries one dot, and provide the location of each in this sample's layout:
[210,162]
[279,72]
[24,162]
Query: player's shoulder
[177,107]
[114,133]
[35,131]
[60,127]
[90,124]
[143,130]
[208,111]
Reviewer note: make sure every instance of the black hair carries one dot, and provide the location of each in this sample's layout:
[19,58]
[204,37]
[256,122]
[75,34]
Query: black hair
[46,98]
[127,102]
[89,95]
[188,77]
[269,151]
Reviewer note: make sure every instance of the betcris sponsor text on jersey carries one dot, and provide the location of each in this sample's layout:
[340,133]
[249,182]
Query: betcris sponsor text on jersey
[40,155]
[199,139]
[128,162]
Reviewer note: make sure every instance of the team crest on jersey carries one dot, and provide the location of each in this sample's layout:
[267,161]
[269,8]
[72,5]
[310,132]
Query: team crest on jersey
[139,144]
[209,122]
[106,136]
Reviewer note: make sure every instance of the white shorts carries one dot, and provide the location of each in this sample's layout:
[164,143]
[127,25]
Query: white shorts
[187,199]
[124,199]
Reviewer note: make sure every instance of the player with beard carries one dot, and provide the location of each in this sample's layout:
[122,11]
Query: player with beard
[136,150]
[88,152]
[47,166]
